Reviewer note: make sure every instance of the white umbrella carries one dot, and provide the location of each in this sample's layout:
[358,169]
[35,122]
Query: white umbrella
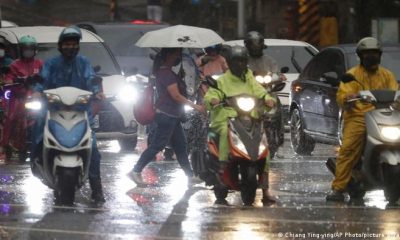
[180,36]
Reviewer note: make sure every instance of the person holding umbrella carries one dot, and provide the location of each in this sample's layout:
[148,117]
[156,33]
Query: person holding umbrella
[169,109]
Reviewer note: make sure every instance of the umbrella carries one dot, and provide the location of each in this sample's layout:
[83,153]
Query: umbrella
[180,36]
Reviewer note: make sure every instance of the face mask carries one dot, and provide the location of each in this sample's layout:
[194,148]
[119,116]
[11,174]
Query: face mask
[370,61]
[28,53]
[69,52]
[2,53]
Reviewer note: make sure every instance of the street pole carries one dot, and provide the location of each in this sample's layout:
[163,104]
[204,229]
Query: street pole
[241,18]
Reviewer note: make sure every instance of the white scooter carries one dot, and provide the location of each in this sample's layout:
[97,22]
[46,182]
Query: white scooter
[379,166]
[67,142]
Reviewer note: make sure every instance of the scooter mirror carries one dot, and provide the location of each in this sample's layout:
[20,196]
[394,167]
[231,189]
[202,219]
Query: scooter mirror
[97,68]
[347,77]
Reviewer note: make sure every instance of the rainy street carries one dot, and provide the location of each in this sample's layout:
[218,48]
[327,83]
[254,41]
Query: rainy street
[169,210]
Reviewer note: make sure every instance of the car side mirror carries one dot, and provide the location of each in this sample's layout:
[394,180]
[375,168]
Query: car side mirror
[97,68]
[347,77]
[285,69]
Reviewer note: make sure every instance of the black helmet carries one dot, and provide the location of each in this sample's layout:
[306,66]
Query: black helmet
[254,42]
[238,52]
[72,32]
[214,48]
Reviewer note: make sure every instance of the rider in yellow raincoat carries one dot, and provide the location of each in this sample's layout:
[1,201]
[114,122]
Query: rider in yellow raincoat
[368,76]
[237,80]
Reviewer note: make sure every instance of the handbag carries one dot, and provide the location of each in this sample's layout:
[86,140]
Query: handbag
[144,110]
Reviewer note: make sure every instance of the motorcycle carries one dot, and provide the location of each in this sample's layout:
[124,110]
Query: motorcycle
[63,164]
[379,165]
[274,122]
[248,148]
[17,122]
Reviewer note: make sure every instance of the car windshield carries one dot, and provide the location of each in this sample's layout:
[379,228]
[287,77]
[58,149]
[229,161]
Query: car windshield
[390,60]
[95,52]
[294,57]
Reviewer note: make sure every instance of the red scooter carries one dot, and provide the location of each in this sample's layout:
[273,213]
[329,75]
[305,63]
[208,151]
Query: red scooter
[17,121]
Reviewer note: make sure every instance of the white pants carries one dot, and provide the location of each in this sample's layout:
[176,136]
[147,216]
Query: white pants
[154,12]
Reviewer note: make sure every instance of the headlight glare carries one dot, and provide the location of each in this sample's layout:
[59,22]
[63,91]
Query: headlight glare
[127,94]
[392,133]
[33,105]
[245,103]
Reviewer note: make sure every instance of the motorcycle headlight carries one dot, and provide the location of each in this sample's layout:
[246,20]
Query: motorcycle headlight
[127,94]
[33,105]
[245,103]
[188,108]
[267,79]
[238,143]
[53,98]
[84,99]
[392,133]
[260,79]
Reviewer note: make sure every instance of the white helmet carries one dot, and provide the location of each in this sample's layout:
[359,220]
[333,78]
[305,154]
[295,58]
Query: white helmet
[368,43]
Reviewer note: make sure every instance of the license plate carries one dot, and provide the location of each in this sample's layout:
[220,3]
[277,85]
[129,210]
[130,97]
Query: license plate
[96,121]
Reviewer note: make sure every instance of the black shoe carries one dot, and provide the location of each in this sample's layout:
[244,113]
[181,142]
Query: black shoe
[97,190]
[335,196]
[221,201]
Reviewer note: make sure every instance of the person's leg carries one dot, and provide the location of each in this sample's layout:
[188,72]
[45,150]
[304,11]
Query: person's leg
[179,145]
[157,13]
[150,12]
[349,154]
[162,135]
[94,173]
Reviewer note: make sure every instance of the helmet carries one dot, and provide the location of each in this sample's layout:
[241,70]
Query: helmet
[27,40]
[254,42]
[72,32]
[238,52]
[368,43]
[254,38]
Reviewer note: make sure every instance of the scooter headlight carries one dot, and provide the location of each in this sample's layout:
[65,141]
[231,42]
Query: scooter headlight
[83,99]
[188,108]
[53,98]
[391,133]
[33,105]
[260,79]
[127,94]
[245,103]
[267,79]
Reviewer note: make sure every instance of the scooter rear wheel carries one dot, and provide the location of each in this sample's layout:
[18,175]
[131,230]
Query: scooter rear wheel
[391,182]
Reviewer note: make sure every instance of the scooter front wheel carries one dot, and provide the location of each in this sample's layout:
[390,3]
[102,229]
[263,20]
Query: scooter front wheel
[249,184]
[391,182]
[66,186]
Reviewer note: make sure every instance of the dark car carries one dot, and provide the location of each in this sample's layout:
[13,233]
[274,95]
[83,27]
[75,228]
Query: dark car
[314,113]
[121,39]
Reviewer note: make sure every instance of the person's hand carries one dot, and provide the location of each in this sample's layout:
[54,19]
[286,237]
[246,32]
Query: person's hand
[100,96]
[200,108]
[270,103]
[214,102]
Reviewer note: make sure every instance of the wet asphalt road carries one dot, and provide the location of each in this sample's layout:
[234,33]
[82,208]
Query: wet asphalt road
[169,210]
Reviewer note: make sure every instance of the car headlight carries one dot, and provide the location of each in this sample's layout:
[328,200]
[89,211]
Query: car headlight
[245,103]
[53,98]
[127,94]
[392,133]
[238,143]
[33,105]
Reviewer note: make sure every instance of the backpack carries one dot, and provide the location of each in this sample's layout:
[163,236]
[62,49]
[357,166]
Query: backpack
[143,110]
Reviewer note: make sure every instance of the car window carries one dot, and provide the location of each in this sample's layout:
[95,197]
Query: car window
[294,57]
[326,61]
[390,60]
[95,52]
